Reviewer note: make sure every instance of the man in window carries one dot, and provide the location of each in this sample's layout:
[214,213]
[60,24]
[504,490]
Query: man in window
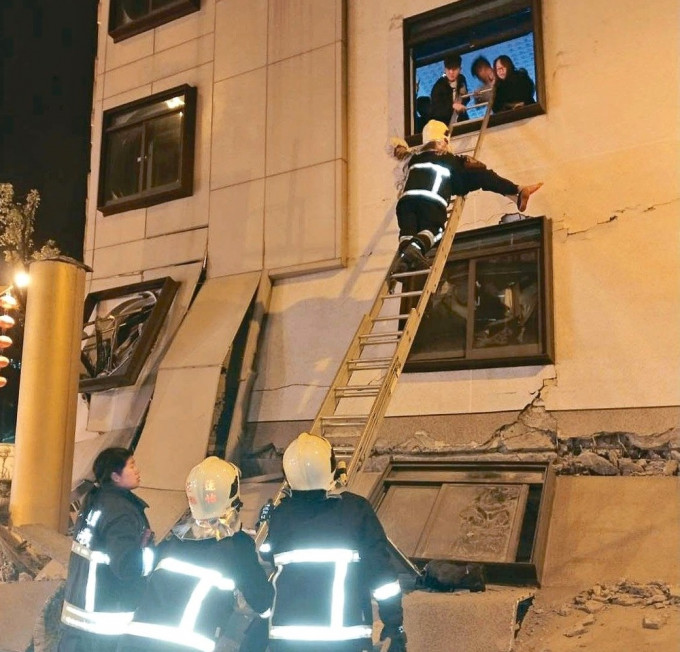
[484,72]
[447,101]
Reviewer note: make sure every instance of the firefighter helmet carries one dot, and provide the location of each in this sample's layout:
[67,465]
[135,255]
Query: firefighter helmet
[434,130]
[213,489]
[309,463]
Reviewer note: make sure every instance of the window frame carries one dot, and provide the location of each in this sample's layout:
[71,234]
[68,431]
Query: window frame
[537,477]
[150,20]
[485,357]
[442,21]
[167,288]
[150,197]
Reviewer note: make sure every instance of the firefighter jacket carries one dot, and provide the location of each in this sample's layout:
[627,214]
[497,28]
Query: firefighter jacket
[109,559]
[331,557]
[436,177]
[190,594]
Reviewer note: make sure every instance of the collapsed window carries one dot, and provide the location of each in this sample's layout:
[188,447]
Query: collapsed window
[130,17]
[490,513]
[148,151]
[493,305]
[471,52]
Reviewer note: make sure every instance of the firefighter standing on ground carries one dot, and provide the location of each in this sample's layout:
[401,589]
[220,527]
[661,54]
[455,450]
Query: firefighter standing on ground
[110,556]
[331,556]
[190,594]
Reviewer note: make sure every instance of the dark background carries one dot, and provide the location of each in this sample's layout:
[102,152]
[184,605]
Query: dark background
[47,49]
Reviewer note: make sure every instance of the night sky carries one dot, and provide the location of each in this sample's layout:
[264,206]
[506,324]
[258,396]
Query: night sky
[48,49]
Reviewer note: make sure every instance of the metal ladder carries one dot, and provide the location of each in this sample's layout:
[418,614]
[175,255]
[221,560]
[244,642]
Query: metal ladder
[353,432]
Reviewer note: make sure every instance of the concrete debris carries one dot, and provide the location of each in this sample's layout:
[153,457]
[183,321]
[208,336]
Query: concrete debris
[615,454]
[671,467]
[625,594]
[592,606]
[575,631]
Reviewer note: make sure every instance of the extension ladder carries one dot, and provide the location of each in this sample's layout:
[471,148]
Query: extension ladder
[352,432]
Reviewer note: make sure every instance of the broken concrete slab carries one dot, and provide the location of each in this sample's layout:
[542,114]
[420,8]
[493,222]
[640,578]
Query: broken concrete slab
[48,542]
[476,622]
[22,606]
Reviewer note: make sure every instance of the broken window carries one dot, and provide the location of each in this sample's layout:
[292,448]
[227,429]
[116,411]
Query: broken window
[493,305]
[130,17]
[479,32]
[148,151]
[495,514]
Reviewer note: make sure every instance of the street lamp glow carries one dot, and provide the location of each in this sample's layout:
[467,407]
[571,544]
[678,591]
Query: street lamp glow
[21,279]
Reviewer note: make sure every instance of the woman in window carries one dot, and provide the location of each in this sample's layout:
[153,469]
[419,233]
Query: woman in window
[514,87]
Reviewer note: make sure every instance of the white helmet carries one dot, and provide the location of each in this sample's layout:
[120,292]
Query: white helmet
[435,130]
[213,489]
[309,463]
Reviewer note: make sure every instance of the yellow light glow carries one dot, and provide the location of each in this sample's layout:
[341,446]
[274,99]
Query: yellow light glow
[22,279]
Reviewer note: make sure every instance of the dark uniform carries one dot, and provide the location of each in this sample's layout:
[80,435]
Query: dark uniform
[331,557]
[107,568]
[433,179]
[190,594]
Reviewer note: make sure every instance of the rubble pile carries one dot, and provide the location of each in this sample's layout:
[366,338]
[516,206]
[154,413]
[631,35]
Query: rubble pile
[620,453]
[20,562]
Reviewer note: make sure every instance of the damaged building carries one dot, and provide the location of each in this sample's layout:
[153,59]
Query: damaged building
[242,204]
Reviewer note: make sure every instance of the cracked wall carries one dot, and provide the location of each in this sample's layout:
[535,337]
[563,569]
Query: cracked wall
[612,191]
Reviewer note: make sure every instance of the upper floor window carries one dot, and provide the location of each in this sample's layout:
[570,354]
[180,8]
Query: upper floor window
[130,17]
[148,151]
[453,54]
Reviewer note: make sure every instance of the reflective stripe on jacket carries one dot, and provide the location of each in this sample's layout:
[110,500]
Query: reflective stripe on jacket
[107,563]
[331,557]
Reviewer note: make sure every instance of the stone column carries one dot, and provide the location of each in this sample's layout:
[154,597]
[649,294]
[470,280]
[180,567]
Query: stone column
[41,485]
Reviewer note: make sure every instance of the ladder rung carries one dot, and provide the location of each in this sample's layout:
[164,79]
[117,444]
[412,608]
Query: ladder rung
[349,391]
[414,293]
[378,336]
[342,421]
[417,272]
[369,363]
[391,317]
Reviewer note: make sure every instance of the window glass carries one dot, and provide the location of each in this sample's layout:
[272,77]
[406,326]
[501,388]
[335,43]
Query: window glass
[123,164]
[164,146]
[506,300]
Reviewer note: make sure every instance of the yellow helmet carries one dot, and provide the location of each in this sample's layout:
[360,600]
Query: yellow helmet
[213,489]
[309,463]
[435,130]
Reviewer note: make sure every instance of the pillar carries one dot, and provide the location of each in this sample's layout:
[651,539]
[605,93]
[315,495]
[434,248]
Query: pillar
[46,418]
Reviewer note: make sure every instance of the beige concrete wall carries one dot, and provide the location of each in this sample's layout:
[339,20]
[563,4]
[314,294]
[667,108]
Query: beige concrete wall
[607,152]
[269,181]
[605,529]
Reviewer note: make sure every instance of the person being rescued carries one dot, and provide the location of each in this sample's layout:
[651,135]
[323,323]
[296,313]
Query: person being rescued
[434,177]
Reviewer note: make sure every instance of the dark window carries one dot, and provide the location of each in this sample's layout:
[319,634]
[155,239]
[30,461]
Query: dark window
[130,17]
[148,151]
[493,306]
[472,29]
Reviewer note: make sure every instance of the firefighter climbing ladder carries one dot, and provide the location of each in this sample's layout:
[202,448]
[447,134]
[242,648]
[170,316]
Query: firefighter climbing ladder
[352,432]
